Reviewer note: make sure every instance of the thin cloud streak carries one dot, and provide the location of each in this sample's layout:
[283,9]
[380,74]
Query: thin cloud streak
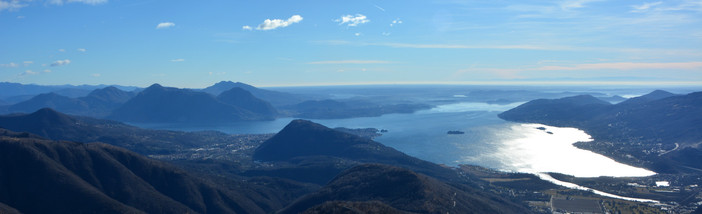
[516,73]
[349,62]
[625,66]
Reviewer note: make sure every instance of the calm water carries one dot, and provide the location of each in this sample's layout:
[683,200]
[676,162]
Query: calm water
[488,141]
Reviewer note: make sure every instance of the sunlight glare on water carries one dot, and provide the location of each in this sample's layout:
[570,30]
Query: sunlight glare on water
[525,148]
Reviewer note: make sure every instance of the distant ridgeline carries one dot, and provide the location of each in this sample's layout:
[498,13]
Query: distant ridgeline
[660,130]
[225,101]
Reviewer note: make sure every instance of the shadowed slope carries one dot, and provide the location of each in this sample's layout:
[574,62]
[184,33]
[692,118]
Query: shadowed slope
[66,177]
[401,189]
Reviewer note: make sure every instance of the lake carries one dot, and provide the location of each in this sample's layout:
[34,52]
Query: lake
[488,140]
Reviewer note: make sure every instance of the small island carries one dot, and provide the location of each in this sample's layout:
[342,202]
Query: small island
[455,132]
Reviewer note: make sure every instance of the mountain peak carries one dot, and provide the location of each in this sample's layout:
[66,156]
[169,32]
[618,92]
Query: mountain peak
[45,117]
[654,95]
[223,86]
[154,86]
[306,138]
[658,94]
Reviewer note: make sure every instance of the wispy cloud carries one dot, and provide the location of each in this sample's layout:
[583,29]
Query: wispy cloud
[458,46]
[9,65]
[645,6]
[164,25]
[379,8]
[246,27]
[177,60]
[271,24]
[90,2]
[28,72]
[60,62]
[81,50]
[624,66]
[349,62]
[352,20]
[12,5]
[573,4]
[512,73]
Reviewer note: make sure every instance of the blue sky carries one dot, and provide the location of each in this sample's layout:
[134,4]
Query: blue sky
[274,43]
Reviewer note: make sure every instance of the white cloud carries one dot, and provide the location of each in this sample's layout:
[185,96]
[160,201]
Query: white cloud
[27,63]
[456,46]
[246,27]
[62,50]
[645,6]
[81,50]
[164,25]
[9,65]
[349,62]
[379,8]
[177,60]
[60,62]
[47,71]
[357,34]
[28,72]
[271,24]
[395,22]
[90,2]
[573,4]
[96,75]
[11,5]
[352,20]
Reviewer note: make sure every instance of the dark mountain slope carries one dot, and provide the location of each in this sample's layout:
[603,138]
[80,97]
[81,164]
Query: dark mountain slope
[401,189]
[165,104]
[303,141]
[58,126]
[276,98]
[353,207]
[66,177]
[560,112]
[244,99]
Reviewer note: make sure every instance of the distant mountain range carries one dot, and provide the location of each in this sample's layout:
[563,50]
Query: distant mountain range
[164,104]
[11,90]
[224,101]
[98,103]
[274,97]
[657,128]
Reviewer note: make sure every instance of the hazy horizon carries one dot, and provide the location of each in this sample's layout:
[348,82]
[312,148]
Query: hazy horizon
[193,45]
